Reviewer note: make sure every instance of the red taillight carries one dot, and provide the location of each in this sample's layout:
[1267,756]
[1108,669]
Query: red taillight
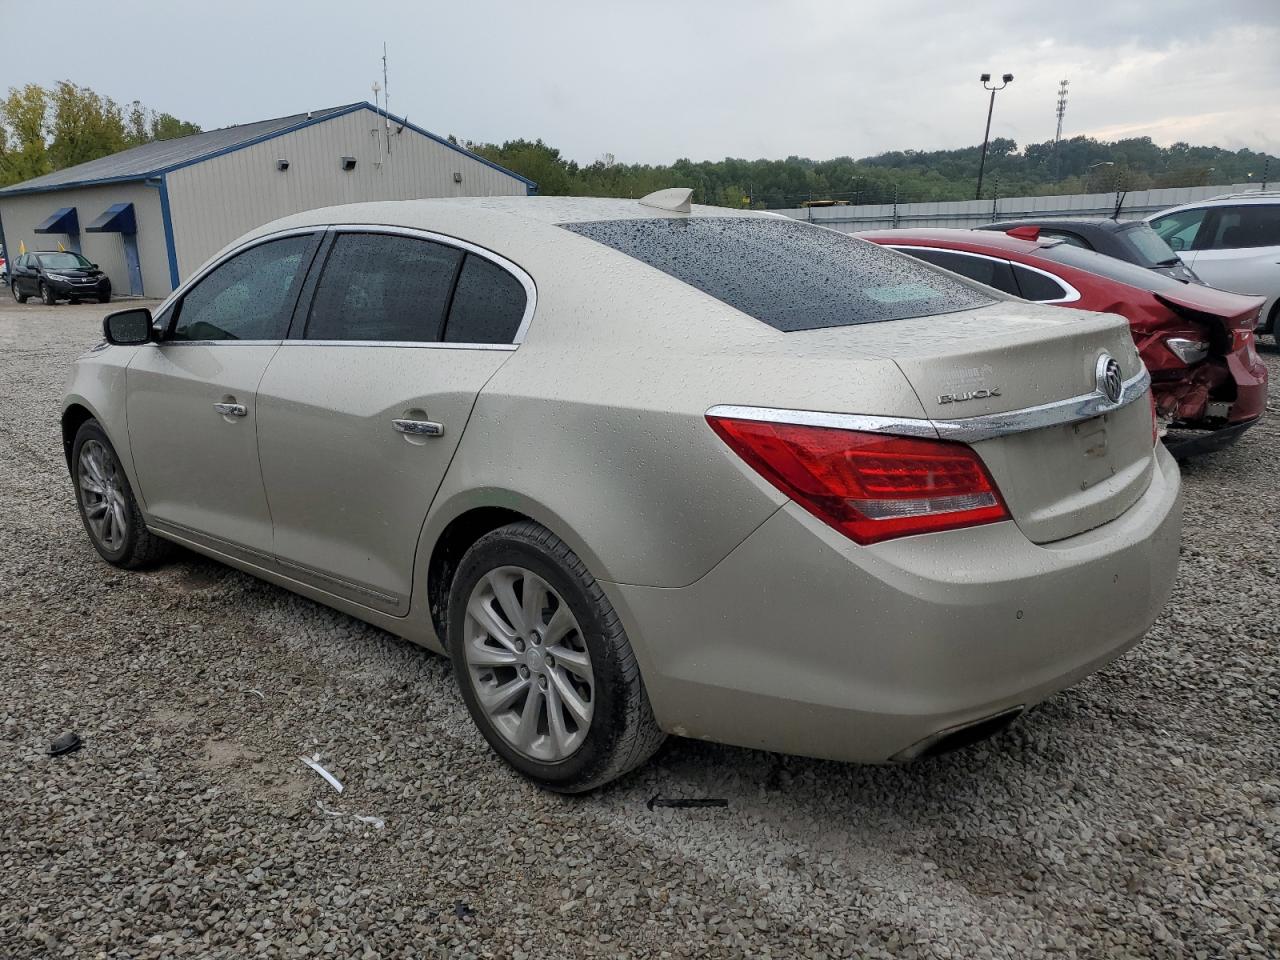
[1244,341]
[869,486]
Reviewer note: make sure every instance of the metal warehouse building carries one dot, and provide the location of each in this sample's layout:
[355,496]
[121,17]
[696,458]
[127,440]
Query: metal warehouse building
[151,215]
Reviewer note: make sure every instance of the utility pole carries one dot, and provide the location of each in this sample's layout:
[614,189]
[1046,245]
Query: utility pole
[986,137]
[1057,135]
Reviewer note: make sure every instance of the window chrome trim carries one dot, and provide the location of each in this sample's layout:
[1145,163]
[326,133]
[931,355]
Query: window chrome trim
[967,429]
[1072,293]
[526,281]
[219,260]
[418,344]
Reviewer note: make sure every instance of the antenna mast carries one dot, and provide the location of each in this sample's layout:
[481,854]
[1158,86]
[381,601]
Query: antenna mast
[1062,112]
[386,97]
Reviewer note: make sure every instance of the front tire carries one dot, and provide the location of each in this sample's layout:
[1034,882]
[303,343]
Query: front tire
[107,506]
[105,298]
[543,663]
[46,295]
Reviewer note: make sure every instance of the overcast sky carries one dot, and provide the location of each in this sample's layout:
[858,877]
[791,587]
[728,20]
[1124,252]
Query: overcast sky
[654,81]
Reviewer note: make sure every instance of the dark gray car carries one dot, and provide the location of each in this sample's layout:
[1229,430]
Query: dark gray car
[1131,240]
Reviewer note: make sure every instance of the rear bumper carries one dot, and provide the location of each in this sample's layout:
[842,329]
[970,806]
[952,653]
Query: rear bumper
[803,642]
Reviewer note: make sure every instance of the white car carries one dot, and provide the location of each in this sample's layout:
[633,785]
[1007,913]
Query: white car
[1233,243]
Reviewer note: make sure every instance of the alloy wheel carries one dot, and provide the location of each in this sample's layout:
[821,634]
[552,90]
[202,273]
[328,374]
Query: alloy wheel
[102,494]
[529,664]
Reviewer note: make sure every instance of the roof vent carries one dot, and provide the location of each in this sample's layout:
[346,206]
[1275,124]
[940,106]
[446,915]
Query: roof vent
[348,164]
[675,199]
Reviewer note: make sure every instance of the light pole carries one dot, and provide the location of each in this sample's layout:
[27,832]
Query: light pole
[986,137]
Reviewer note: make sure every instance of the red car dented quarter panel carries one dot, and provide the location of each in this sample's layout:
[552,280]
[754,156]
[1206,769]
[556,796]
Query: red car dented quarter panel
[1223,388]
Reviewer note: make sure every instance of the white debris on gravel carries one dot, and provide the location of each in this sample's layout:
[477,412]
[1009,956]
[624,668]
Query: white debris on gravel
[1134,816]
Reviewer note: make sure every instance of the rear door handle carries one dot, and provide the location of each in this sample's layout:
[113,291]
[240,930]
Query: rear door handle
[419,428]
[232,409]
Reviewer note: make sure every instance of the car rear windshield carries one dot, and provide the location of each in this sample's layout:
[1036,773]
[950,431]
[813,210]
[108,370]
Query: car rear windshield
[1151,250]
[1122,271]
[786,273]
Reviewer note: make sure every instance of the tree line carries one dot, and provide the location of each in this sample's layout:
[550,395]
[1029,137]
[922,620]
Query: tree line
[43,130]
[1076,165]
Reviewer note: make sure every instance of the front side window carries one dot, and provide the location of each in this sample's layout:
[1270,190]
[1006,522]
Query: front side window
[1179,229]
[249,297]
[383,287]
[993,273]
[785,273]
[488,304]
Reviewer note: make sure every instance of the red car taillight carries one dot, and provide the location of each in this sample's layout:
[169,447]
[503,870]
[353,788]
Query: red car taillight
[869,486]
[1246,342]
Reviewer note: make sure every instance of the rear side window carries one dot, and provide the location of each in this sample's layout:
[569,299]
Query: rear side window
[249,297]
[1037,286]
[993,273]
[488,304]
[383,287]
[786,273]
[1238,228]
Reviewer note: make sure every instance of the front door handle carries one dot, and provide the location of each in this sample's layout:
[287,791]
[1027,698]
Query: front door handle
[419,428]
[232,409]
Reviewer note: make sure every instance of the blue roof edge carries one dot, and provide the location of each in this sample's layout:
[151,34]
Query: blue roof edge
[17,189]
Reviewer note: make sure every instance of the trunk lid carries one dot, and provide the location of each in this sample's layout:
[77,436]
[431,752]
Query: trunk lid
[1057,480]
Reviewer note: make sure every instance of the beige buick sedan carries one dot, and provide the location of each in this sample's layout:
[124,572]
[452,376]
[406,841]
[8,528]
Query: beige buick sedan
[640,468]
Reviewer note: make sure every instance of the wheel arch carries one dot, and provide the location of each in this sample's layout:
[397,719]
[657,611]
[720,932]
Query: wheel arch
[75,413]
[455,525]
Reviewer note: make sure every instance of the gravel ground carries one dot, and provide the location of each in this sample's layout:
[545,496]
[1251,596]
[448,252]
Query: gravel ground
[1134,816]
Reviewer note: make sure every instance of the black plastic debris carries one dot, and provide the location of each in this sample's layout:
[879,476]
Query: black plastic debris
[69,742]
[462,911]
[657,801]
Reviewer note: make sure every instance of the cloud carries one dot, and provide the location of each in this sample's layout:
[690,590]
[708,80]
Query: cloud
[654,81]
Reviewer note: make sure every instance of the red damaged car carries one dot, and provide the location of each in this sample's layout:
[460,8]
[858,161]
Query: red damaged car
[1207,379]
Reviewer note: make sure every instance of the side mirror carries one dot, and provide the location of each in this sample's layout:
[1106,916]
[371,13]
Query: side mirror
[128,328]
[93,266]
[1177,243]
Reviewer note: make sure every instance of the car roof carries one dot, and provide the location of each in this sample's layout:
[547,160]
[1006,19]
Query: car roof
[1265,197]
[984,238]
[1104,223]
[548,210]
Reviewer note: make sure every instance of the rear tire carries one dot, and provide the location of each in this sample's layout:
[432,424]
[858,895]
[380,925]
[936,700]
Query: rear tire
[46,295]
[107,506]
[570,617]
[19,297]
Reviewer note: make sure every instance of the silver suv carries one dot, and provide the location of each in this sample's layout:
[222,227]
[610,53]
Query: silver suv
[1233,243]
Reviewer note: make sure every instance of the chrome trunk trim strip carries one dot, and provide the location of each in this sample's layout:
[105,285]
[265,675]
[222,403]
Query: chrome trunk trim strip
[967,429]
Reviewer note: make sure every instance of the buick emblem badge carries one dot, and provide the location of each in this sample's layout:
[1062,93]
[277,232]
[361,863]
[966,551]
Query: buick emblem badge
[1109,378]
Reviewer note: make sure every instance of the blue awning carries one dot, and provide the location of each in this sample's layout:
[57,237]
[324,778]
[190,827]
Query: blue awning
[62,221]
[117,218]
